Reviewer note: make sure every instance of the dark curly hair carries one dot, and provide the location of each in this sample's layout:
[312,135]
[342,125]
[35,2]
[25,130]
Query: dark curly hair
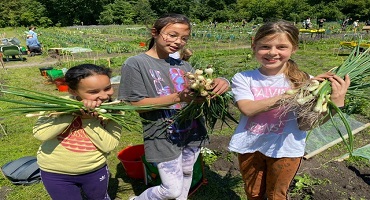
[76,73]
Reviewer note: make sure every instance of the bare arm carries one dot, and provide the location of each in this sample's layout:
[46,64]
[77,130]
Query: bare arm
[221,86]
[251,108]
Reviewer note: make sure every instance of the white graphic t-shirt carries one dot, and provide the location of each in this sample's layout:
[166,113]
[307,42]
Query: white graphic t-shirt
[273,133]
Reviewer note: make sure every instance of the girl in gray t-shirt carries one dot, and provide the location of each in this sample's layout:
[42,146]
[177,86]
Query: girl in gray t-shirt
[155,78]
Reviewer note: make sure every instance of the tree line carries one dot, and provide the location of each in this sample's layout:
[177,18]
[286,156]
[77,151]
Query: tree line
[47,13]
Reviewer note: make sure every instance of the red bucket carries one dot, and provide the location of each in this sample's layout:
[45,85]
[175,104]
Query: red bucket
[130,158]
[63,88]
[142,44]
[60,81]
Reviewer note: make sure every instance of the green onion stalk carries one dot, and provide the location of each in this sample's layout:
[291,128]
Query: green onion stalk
[214,108]
[43,104]
[313,99]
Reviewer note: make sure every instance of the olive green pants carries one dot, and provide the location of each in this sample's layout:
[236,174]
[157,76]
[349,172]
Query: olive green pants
[267,177]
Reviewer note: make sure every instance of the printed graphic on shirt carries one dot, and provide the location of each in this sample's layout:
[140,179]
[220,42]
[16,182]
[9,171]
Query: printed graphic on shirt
[158,80]
[75,138]
[177,79]
[175,130]
[270,121]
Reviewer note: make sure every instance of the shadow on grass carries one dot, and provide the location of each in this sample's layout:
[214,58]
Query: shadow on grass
[343,54]
[137,185]
[218,187]
[214,187]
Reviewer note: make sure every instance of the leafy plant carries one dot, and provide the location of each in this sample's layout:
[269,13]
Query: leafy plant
[209,156]
[358,161]
[306,183]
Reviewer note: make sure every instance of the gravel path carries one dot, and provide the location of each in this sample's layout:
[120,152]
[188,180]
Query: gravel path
[29,63]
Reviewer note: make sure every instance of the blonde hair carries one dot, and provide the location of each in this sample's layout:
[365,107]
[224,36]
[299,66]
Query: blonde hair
[186,54]
[296,76]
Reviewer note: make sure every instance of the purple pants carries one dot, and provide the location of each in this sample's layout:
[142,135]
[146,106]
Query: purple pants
[94,185]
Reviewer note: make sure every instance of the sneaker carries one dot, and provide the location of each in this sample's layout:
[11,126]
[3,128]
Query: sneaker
[132,198]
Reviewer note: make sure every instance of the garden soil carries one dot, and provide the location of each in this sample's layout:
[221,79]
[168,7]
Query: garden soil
[328,179]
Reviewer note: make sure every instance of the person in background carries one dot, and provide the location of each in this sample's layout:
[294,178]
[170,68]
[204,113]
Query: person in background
[155,78]
[74,149]
[31,31]
[308,23]
[33,45]
[367,24]
[321,23]
[186,54]
[345,24]
[355,25]
[175,55]
[244,22]
[270,146]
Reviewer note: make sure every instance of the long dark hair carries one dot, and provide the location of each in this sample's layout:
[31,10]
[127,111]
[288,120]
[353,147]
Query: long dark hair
[295,75]
[165,20]
[76,73]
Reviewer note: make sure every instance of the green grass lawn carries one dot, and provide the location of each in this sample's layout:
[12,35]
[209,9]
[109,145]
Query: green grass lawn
[228,56]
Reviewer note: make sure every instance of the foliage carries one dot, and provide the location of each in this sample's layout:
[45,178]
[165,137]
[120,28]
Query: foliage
[25,12]
[209,156]
[119,12]
[306,182]
[84,12]
[70,12]
[358,161]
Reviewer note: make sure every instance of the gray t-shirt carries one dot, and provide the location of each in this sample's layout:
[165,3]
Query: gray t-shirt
[143,76]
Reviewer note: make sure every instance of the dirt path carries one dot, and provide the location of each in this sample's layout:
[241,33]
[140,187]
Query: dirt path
[30,63]
[48,61]
[44,60]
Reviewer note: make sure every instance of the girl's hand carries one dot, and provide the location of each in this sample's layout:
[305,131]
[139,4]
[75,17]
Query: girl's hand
[221,86]
[90,105]
[339,86]
[339,89]
[188,96]
[322,77]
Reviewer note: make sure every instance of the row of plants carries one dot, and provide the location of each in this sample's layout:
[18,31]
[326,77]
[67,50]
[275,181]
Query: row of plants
[127,39]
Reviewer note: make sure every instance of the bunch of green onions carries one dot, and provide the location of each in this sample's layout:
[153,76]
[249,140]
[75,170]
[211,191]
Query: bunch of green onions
[313,99]
[42,104]
[214,108]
